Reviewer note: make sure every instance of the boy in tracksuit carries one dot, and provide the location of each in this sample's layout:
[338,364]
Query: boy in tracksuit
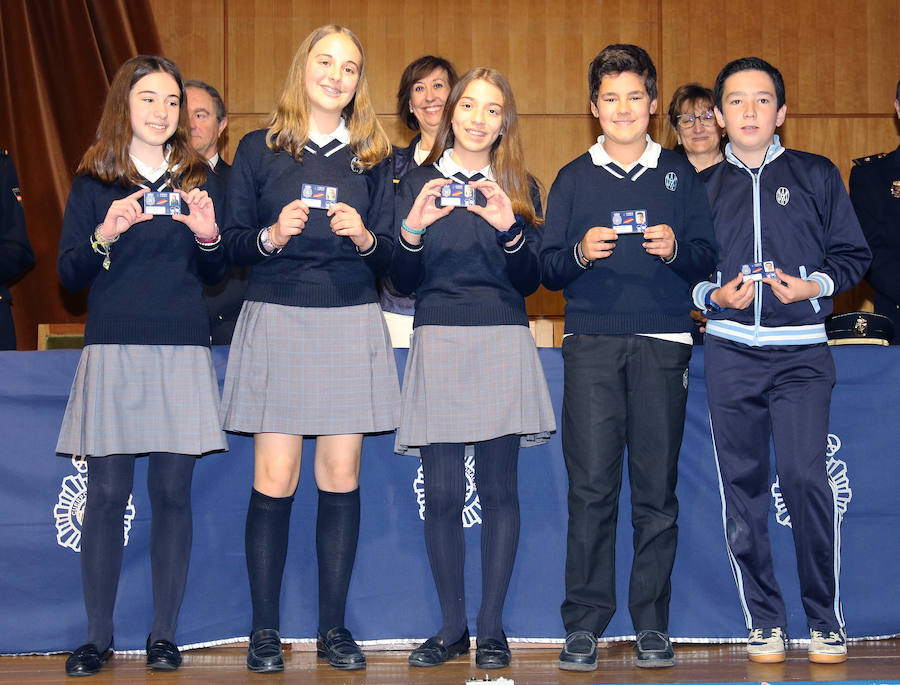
[626,351]
[788,241]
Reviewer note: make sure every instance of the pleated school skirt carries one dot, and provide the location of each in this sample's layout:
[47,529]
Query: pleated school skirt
[310,371]
[472,383]
[134,399]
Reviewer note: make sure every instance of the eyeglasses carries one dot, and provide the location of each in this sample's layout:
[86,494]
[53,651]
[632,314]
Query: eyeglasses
[707,118]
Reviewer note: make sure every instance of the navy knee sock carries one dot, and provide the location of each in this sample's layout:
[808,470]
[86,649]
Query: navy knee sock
[496,478]
[171,534]
[337,534]
[102,540]
[266,541]
[443,467]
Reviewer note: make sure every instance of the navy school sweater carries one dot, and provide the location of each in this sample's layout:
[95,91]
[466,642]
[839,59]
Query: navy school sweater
[629,292]
[152,292]
[316,268]
[461,275]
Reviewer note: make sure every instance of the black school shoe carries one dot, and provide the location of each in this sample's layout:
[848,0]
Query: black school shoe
[492,653]
[654,650]
[340,650]
[264,651]
[162,655]
[433,652]
[579,652]
[87,660]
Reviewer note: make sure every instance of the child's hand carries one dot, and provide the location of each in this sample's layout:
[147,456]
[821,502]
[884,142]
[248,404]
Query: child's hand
[659,240]
[598,242]
[498,210]
[424,212]
[291,222]
[122,215]
[792,289]
[346,221]
[202,219]
[736,294]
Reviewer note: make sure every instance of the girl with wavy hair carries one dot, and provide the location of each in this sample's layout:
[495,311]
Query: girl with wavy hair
[145,383]
[473,376]
[311,210]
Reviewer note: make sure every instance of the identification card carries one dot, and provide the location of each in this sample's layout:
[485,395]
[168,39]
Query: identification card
[457,195]
[318,197]
[162,203]
[629,220]
[758,271]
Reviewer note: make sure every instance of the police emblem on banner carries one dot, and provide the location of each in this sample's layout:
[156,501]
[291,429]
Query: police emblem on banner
[671,181]
[837,478]
[471,514]
[782,196]
[69,509]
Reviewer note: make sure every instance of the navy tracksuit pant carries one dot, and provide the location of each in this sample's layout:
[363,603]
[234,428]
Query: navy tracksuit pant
[783,392]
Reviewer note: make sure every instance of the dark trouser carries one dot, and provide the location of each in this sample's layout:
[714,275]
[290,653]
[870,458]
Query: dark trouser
[783,392]
[109,486]
[621,390]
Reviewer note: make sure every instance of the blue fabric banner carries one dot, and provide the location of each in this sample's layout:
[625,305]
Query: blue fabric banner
[392,595]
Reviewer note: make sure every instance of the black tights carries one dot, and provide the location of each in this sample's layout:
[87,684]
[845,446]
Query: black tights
[496,479]
[110,481]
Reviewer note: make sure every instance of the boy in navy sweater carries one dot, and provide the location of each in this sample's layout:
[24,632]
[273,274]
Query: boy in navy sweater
[789,240]
[628,231]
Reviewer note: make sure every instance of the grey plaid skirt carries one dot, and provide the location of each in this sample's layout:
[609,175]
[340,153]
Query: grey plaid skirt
[310,371]
[133,399]
[473,383]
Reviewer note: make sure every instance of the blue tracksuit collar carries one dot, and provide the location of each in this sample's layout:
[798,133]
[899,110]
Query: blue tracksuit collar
[775,150]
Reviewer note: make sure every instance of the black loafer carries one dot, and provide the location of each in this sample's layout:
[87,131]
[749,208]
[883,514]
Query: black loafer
[580,652]
[492,653]
[264,652]
[162,655]
[433,652]
[340,650]
[87,660]
[654,650]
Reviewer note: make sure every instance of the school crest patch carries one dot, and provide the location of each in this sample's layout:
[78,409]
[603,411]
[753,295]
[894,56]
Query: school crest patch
[671,181]
[782,196]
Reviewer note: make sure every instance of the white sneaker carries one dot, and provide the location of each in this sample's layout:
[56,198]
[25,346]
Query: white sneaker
[827,648]
[766,645]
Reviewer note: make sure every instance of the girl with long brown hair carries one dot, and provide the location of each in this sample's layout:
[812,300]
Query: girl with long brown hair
[473,376]
[311,210]
[145,383]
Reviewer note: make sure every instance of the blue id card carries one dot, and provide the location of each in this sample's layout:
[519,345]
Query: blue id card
[457,195]
[629,220]
[758,271]
[162,203]
[318,197]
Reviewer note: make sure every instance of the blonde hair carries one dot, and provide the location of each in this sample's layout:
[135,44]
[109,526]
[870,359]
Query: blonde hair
[507,156]
[289,125]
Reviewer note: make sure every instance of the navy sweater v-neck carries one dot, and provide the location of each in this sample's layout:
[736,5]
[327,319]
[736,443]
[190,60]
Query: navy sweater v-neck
[316,268]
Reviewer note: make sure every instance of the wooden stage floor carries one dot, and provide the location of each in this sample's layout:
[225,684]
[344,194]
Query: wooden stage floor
[876,661]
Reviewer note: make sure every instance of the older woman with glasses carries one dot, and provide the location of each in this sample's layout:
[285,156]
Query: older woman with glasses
[694,122]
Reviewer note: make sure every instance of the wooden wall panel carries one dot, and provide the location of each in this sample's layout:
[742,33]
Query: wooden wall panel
[840,62]
[836,57]
[193,36]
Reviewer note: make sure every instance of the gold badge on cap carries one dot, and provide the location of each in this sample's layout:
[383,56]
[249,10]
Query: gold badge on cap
[895,189]
[861,326]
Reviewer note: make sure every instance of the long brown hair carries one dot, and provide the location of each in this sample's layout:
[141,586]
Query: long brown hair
[108,158]
[289,125]
[507,156]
